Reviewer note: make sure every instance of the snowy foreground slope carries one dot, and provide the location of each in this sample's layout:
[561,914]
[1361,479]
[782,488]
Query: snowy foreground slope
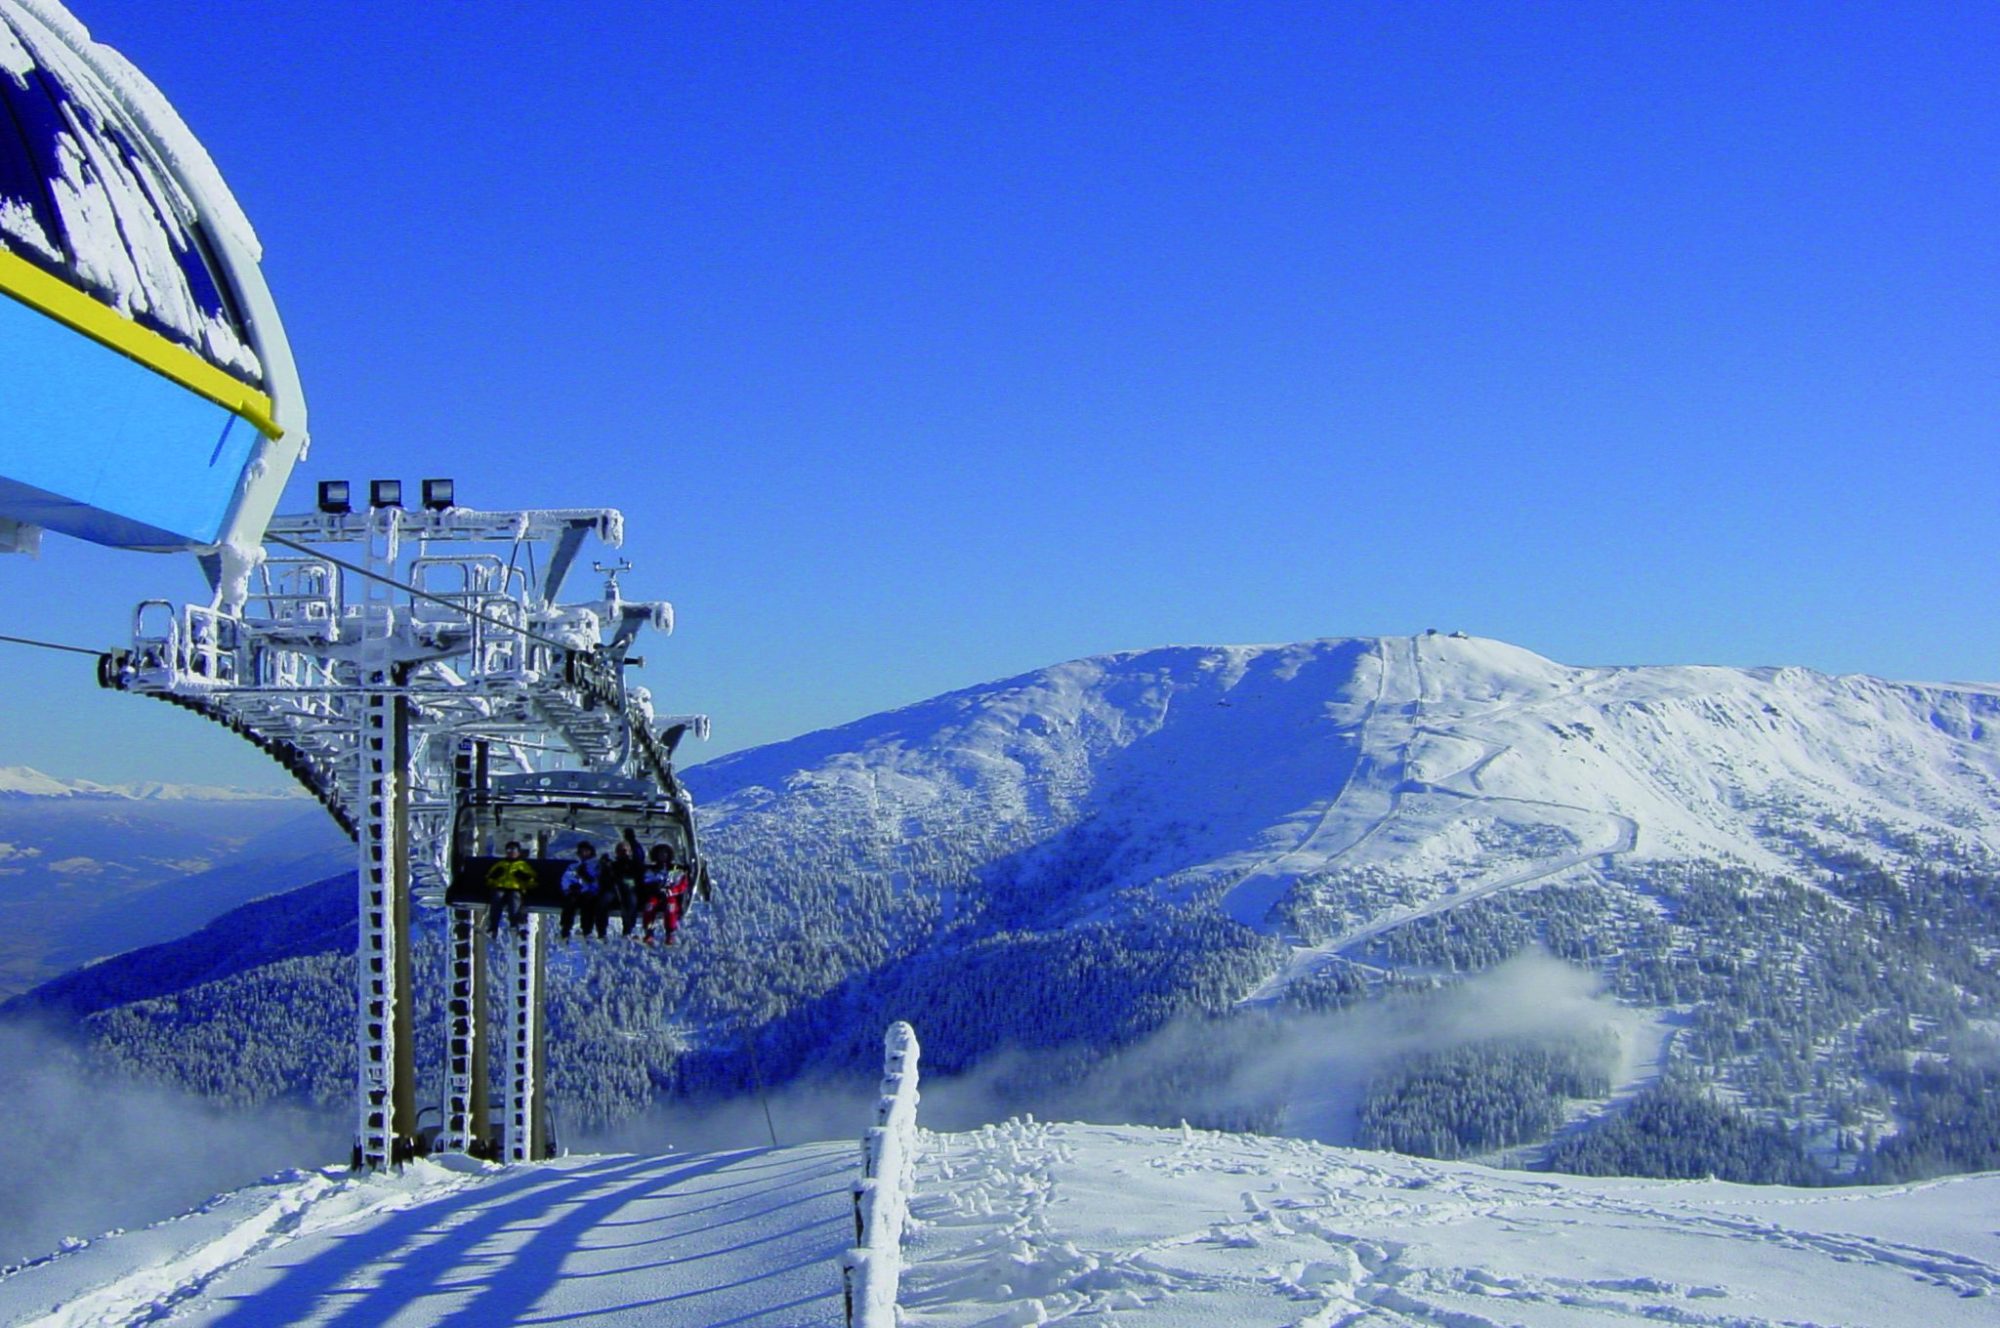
[1158,1227]
[679,1241]
[1024,1223]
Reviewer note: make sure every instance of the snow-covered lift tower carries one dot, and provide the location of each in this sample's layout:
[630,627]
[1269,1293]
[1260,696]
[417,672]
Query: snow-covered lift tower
[150,400]
[394,660]
[402,664]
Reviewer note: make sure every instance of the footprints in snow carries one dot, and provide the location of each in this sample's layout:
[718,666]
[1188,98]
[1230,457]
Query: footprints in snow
[1308,1226]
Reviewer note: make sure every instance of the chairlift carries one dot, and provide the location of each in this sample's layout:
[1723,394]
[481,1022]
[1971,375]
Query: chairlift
[549,813]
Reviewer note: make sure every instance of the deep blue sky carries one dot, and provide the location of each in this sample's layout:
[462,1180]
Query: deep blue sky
[923,345]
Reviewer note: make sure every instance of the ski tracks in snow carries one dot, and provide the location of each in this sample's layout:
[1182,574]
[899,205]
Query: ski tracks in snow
[1023,1223]
[1398,727]
[1252,894]
[95,1284]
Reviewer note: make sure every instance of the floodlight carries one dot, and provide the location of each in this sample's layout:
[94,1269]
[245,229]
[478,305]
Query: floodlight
[336,497]
[385,493]
[438,495]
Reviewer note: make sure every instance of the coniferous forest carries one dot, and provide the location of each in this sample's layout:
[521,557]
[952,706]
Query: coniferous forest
[1827,1032]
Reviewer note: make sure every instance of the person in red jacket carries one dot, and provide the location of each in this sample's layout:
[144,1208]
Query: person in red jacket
[665,894]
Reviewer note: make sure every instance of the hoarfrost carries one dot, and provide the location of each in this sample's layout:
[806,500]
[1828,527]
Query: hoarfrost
[18,221]
[240,559]
[577,628]
[184,155]
[126,216]
[135,93]
[14,57]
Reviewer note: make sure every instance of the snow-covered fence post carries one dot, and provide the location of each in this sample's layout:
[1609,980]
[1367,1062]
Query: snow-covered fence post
[882,1195]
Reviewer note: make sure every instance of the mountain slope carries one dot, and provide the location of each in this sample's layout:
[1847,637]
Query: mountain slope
[1793,874]
[1304,887]
[1238,772]
[313,919]
[20,781]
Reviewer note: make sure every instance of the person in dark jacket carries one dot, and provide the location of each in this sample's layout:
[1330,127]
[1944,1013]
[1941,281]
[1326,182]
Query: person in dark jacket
[623,880]
[507,884]
[582,883]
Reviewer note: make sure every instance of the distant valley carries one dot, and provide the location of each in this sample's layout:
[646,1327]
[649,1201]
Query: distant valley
[88,870]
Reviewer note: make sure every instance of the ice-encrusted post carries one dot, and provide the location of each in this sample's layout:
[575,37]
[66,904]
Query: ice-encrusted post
[882,1195]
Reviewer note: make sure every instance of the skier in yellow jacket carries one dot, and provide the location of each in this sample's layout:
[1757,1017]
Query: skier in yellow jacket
[508,882]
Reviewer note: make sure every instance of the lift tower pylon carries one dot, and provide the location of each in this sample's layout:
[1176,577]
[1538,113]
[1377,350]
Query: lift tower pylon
[396,679]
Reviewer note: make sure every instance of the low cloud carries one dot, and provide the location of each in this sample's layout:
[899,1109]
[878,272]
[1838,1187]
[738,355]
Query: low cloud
[85,1152]
[1302,1075]
[794,1114]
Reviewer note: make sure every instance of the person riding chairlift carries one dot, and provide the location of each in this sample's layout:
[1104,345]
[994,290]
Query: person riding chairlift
[582,883]
[625,880]
[666,893]
[507,883]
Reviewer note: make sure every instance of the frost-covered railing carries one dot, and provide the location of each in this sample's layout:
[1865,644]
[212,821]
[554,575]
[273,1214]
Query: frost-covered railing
[882,1195]
[194,645]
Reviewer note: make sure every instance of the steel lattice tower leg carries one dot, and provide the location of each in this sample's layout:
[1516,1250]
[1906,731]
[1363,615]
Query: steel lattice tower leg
[387,1069]
[466,1122]
[524,1140]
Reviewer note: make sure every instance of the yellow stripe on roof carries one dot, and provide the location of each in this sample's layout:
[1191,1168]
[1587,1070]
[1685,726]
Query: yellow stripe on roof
[66,304]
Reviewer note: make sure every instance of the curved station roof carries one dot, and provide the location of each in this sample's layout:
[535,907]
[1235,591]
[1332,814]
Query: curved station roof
[150,398]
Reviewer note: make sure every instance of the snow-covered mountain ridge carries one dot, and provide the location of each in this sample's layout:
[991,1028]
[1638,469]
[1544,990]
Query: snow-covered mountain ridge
[1458,766]
[1796,876]
[19,781]
[1303,889]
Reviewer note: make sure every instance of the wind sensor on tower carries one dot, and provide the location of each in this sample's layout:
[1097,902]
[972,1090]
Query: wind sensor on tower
[414,667]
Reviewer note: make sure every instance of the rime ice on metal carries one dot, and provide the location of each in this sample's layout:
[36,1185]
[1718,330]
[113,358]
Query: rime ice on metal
[369,674]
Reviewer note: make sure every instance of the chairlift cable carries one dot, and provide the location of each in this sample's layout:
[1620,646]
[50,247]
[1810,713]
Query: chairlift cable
[50,645]
[411,590]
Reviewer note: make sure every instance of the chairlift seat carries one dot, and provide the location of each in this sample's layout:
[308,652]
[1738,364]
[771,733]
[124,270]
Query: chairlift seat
[468,884]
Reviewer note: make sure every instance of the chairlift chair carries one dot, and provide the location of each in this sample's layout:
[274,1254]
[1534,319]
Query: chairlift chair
[550,812]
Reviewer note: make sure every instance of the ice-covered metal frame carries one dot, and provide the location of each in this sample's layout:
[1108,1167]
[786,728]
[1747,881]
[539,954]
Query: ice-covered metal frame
[148,398]
[430,657]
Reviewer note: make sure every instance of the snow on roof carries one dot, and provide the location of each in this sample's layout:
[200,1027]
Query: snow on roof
[102,183]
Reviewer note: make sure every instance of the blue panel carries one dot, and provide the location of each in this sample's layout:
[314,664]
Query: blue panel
[53,512]
[134,450]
